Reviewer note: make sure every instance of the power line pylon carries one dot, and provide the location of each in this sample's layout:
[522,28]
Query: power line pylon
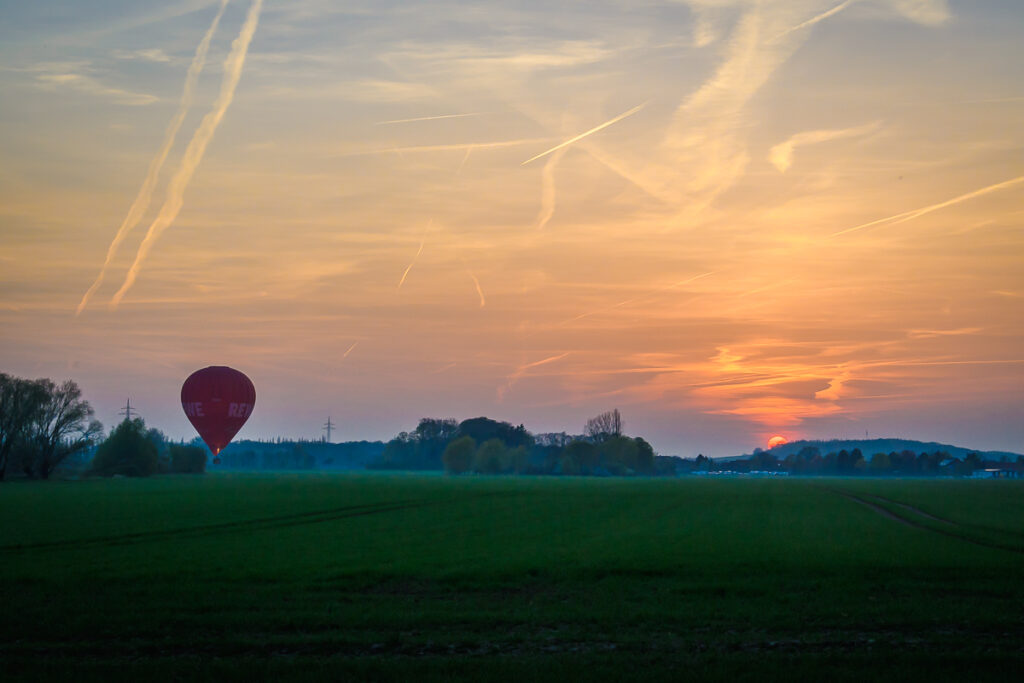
[127,410]
[328,426]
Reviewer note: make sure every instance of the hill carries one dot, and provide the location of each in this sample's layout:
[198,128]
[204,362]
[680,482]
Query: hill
[871,446]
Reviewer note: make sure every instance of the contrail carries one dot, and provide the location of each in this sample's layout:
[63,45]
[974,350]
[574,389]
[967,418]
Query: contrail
[345,355]
[589,132]
[483,301]
[196,147]
[514,377]
[911,215]
[464,160]
[145,194]
[423,240]
[547,190]
[426,118]
[814,20]
[544,361]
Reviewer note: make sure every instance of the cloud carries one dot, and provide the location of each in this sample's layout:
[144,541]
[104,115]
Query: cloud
[378,90]
[927,12]
[781,155]
[479,291]
[148,55]
[834,391]
[92,86]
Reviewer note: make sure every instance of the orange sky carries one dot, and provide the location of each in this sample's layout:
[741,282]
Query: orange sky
[799,218]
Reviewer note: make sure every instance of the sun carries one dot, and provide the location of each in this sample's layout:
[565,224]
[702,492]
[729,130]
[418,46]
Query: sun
[777,441]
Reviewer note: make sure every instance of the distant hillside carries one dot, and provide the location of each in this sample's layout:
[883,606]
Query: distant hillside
[290,455]
[871,446]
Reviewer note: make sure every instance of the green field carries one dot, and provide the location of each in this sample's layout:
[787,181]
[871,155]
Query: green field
[392,577]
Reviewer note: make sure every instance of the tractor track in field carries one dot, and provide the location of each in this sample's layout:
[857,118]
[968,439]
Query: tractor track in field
[866,501]
[259,524]
[910,508]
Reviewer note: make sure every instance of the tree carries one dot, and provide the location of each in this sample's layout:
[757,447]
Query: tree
[880,463]
[645,456]
[517,460]
[458,456]
[604,426]
[490,457]
[187,459]
[127,452]
[433,429]
[620,455]
[163,453]
[580,457]
[20,400]
[483,429]
[62,425]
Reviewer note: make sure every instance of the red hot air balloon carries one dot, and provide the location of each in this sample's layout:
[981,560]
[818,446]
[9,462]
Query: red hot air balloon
[217,401]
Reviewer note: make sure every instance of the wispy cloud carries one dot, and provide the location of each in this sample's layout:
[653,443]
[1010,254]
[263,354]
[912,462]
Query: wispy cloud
[93,86]
[547,189]
[378,90]
[781,155]
[479,291]
[148,55]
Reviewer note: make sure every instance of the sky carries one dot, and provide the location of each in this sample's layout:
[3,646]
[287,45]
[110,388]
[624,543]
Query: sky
[729,219]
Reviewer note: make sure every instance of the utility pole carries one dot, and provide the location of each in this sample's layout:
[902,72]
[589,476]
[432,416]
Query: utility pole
[328,427]
[127,410]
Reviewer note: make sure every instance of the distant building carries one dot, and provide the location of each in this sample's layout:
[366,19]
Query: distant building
[1001,470]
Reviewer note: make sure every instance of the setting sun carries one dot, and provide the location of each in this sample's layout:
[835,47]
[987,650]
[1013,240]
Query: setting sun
[777,441]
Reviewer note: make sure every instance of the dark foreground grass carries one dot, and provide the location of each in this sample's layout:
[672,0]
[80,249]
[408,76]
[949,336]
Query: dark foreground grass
[372,577]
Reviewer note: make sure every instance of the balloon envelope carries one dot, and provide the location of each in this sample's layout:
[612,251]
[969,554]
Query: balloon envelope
[217,401]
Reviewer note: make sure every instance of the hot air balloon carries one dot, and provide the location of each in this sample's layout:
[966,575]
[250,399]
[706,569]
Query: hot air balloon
[217,401]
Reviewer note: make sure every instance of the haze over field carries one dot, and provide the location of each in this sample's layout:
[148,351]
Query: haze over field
[730,219]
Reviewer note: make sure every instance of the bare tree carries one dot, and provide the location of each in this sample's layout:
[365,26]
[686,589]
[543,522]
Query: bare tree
[20,399]
[604,426]
[62,426]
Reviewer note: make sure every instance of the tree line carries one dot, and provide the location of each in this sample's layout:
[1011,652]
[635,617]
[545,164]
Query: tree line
[485,446]
[44,425]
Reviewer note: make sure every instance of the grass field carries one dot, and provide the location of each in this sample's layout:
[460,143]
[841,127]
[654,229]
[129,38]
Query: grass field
[393,577]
